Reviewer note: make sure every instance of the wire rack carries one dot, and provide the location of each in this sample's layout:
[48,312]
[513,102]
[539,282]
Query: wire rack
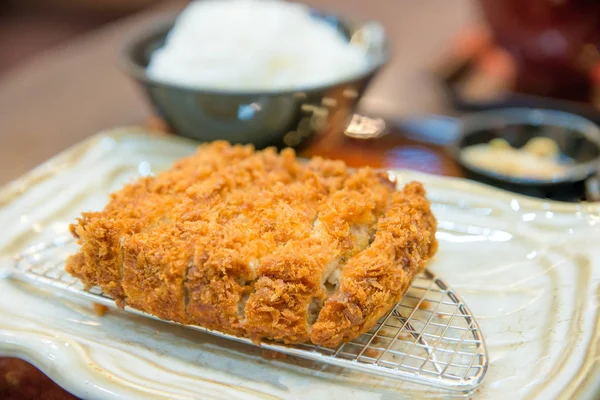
[430,337]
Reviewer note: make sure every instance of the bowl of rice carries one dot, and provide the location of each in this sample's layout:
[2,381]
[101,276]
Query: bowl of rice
[265,72]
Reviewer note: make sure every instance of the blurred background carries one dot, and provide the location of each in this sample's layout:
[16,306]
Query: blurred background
[61,75]
[560,36]
[29,27]
[60,80]
[447,58]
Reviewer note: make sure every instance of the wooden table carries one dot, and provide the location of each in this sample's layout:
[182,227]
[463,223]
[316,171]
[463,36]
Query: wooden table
[77,90]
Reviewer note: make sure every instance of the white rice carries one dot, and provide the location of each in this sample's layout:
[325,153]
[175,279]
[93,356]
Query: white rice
[253,45]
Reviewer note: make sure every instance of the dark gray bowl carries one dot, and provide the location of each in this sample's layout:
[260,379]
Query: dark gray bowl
[279,118]
[577,138]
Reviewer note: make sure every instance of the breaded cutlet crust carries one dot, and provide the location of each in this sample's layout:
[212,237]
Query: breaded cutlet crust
[258,244]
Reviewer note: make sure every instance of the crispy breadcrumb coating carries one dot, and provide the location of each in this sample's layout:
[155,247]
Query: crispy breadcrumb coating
[259,244]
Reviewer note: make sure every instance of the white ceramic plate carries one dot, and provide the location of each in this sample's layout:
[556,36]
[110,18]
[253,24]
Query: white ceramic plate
[529,270]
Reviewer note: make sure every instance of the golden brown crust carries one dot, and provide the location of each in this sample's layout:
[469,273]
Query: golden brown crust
[377,278]
[254,244]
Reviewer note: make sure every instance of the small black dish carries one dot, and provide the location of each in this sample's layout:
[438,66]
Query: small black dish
[263,118]
[577,138]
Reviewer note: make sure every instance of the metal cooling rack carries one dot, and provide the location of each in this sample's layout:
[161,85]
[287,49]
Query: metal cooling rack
[430,337]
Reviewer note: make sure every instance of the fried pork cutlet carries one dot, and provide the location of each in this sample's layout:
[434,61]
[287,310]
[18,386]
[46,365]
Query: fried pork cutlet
[258,244]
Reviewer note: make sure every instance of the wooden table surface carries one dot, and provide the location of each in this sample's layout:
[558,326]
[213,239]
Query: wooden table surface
[77,90]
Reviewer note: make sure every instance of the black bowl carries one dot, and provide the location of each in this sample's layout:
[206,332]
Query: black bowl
[280,118]
[577,138]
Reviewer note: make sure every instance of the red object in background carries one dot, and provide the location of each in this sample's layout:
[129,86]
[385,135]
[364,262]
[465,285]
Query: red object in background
[555,43]
[20,380]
